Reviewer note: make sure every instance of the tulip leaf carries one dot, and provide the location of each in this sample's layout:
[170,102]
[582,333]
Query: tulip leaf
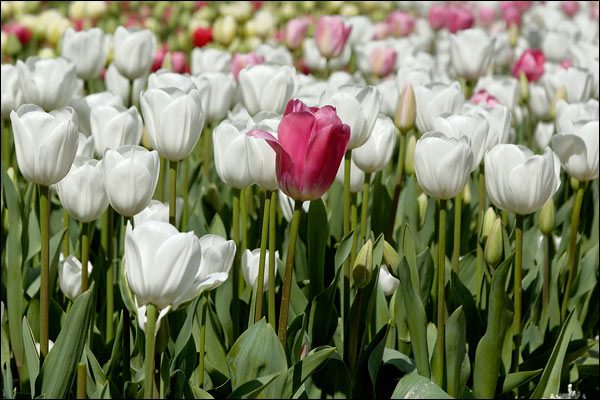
[382,203]
[410,254]
[257,353]
[517,379]
[489,350]
[200,393]
[58,370]
[34,240]
[456,350]
[550,381]
[415,386]
[31,355]
[300,372]
[318,231]
[332,380]
[251,389]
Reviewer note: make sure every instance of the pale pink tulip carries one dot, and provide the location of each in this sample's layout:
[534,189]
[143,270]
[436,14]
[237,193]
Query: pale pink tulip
[382,61]
[331,35]
[240,61]
[486,15]
[482,96]
[570,7]
[380,31]
[178,62]
[437,16]
[531,63]
[400,23]
[458,19]
[295,31]
[310,145]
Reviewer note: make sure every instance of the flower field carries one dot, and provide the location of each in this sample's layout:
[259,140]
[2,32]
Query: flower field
[312,199]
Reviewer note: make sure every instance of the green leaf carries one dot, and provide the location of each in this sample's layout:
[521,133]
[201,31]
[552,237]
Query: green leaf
[300,372]
[456,350]
[318,231]
[257,353]
[410,254]
[251,389]
[414,386]
[550,381]
[185,332]
[217,227]
[31,355]
[489,350]
[58,370]
[200,394]
[517,379]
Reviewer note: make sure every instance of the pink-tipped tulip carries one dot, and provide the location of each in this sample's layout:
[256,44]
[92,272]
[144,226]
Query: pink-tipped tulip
[570,7]
[380,31]
[331,35]
[437,16]
[240,61]
[382,61]
[486,15]
[531,63]
[400,23]
[483,96]
[295,31]
[459,18]
[310,145]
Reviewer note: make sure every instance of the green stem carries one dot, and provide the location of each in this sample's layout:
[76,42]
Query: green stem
[365,207]
[244,219]
[346,230]
[235,275]
[441,298]
[160,187]
[289,269]
[85,248]
[518,294]
[572,260]
[480,210]
[106,242]
[81,381]
[207,150]
[130,96]
[65,243]
[398,187]
[546,283]
[261,260]
[173,192]
[186,192]
[44,290]
[456,242]
[151,314]
[354,226]
[204,310]
[272,273]
[6,144]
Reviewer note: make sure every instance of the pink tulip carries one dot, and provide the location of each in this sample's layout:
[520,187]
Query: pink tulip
[511,16]
[437,16]
[482,96]
[178,62]
[310,145]
[400,23]
[158,58]
[531,63]
[458,19]
[593,10]
[240,61]
[331,35]
[570,7]
[295,31]
[380,31]
[487,15]
[382,61]
[566,64]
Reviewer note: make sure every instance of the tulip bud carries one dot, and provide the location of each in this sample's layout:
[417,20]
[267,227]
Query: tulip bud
[224,30]
[546,221]
[409,159]
[493,245]
[361,273]
[561,94]
[513,35]
[390,257]
[466,194]
[488,219]
[422,202]
[574,183]
[407,109]
[523,87]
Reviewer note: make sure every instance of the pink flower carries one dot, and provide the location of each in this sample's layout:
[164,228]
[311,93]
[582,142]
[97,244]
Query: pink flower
[531,63]
[566,64]
[240,61]
[458,19]
[380,31]
[482,96]
[20,31]
[178,62]
[570,7]
[437,16]
[331,35]
[382,61]
[310,145]
[295,31]
[159,57]
[511,16]
[400,23]
[487,15]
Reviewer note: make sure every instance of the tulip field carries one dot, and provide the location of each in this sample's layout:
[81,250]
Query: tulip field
[300,199]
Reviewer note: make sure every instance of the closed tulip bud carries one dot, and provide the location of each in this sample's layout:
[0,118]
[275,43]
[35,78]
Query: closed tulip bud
[518,181]
[224,30]
[523,88]
[130,178]
[217,92]
[377,151]
[83,106]
[115,126]
[466,194]
[386,281]
[158,211]
[488,219]
[422,203]
[331,35]
[546,221]
[472,126]
[409,160]
[442,164]
[578,151]
[261,158]
[210,60]
[250,261]
[85,49]
[513,35]
[561,94]
[493,244]
[434,99]
[307,175]
[531,64]
[174,119]
[163,78]
[266,87]
[81,192]
[230,154]
[471,53]
[50,84]
[133,52]
[69,276]
[390,257]
[295,31]
[406,110]
[45,143]
[363,266]
[12,96]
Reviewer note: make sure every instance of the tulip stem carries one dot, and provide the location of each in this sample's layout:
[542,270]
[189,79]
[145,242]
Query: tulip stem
[517,291]
[365,207]
[204,310]
[106,242]
[261,260]
[160,187]
[546,283]
[289,269]
[354,225]
[235,276]
[186,193]
[81,381]
[85,248]
[6,145]
[65,244]
[346,230]
[173,192]
[151,314]
[398,187]
[130,94]
[244,218]
[441,299]
[272,273]
[480,208]
[44,290]
[457,226]
[572,259]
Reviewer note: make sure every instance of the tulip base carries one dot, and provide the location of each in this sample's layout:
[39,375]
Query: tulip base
[151,315]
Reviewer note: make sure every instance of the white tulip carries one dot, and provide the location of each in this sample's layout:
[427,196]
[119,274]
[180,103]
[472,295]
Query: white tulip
[266,87]
[543,133]
[390,94]
[85,49]
[434,99]
[287,205]
[69,276]
[217,91]
[539,102]
[133,52]
[250,261]
[121,86]
[85,146]
[261,157]
[498,118]
[316,62]
[83,106]
[503,88]
[115,126]
[578,151]
[570,115]
[275,55]
[217,259]
[473,126]
[362,29]
[471,53]
[386,281]
[48,83]
[231,158]
[576,81]
[158,211]
[12,97]
[210,60]
[357,176]
[164,78]
[376,153]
